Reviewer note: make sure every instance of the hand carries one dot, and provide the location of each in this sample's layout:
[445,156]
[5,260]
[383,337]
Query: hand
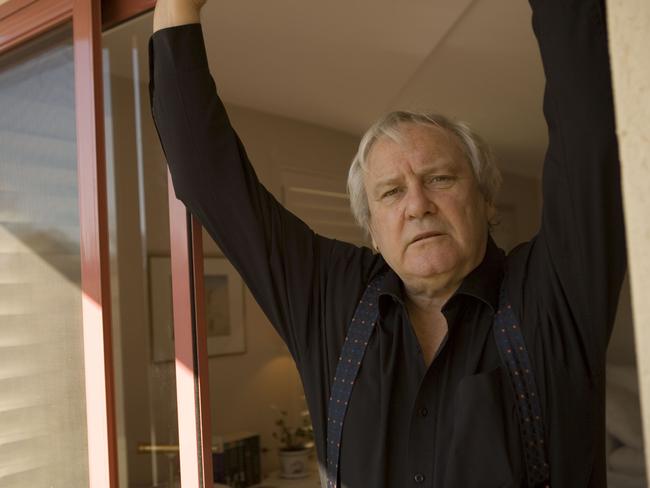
[170,13]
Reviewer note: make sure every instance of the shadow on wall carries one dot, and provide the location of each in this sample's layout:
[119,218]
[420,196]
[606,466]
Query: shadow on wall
[625,447]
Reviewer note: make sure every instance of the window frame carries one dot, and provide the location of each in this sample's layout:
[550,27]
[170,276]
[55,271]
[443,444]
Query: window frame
[20,22]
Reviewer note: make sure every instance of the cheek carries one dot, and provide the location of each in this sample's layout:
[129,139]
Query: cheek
[477,220]
[386,228]
[469,218]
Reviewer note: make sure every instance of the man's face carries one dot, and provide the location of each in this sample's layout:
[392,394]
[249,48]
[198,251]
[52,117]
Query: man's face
[427,215]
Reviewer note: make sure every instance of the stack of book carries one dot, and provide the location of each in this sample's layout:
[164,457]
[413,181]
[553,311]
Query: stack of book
[236,459]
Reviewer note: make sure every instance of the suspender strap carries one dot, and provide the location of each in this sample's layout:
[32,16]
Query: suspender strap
[354,347]
[514,357]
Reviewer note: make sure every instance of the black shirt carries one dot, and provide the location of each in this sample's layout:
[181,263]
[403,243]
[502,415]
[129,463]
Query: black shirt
[453,424]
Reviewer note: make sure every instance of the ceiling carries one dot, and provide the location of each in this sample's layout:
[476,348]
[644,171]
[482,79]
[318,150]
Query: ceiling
[342,64]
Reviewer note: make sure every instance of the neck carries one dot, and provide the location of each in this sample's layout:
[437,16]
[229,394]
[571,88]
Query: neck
[428,299]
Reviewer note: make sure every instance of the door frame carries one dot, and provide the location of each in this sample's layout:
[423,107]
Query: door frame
[20,22]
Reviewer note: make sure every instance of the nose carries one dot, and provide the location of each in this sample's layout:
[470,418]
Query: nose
[418,203]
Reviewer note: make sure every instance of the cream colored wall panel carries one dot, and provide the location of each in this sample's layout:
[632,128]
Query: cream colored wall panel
[629,32]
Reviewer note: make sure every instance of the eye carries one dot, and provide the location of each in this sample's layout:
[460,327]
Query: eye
[390,192]
[440,181]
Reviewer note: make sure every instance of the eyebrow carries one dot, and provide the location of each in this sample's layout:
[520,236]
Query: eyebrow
[437,165]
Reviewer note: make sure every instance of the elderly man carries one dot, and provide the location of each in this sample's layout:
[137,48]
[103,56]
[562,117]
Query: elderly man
[436,361]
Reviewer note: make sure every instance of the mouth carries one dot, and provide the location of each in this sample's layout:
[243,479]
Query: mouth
[426,235]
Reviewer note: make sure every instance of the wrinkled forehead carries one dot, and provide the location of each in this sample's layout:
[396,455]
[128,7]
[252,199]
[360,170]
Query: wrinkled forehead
[415,144]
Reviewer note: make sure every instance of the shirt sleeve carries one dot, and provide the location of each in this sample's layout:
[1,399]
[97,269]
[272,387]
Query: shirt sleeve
[282,261]
[577,261]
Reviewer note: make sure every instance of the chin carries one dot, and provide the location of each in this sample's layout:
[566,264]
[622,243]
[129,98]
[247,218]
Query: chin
[432,262]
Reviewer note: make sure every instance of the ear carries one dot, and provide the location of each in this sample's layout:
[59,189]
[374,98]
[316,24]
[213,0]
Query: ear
[491,211]
[492,215]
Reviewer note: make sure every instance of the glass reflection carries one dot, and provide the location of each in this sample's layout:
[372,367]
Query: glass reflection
[42,399]
[145,387]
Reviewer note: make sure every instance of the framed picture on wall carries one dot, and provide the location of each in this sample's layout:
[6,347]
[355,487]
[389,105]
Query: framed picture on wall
[224,308]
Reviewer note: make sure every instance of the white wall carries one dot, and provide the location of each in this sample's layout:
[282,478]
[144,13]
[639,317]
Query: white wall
[629,34]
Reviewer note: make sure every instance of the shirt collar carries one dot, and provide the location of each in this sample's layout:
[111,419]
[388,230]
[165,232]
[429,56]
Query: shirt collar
[482,283]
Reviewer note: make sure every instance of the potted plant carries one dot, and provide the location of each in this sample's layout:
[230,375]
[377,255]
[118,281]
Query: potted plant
[296,444]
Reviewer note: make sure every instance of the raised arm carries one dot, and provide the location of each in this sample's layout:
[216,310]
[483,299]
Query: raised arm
[282,261]
[579,253]
[172,13]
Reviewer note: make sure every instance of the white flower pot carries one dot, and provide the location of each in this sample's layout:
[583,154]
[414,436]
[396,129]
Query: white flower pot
[294,464]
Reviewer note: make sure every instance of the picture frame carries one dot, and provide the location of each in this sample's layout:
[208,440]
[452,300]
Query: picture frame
[224,308]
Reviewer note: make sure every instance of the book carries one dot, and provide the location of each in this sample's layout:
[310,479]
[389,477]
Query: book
[236,459]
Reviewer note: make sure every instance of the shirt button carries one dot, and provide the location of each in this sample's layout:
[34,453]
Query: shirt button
[424,412]
[418,478]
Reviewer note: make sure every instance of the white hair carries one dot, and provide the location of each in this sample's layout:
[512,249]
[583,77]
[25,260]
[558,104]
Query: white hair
[390,125]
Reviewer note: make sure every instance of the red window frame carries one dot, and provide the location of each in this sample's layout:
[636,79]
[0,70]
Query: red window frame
[20,22]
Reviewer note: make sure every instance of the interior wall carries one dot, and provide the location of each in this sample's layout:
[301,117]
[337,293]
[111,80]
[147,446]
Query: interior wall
[629,38]
[518,210]
[621,350]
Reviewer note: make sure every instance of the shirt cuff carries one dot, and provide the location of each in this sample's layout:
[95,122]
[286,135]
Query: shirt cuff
[179,48]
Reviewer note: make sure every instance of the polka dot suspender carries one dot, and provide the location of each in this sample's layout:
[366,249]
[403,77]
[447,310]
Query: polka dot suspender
[354,347]
[513,354]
